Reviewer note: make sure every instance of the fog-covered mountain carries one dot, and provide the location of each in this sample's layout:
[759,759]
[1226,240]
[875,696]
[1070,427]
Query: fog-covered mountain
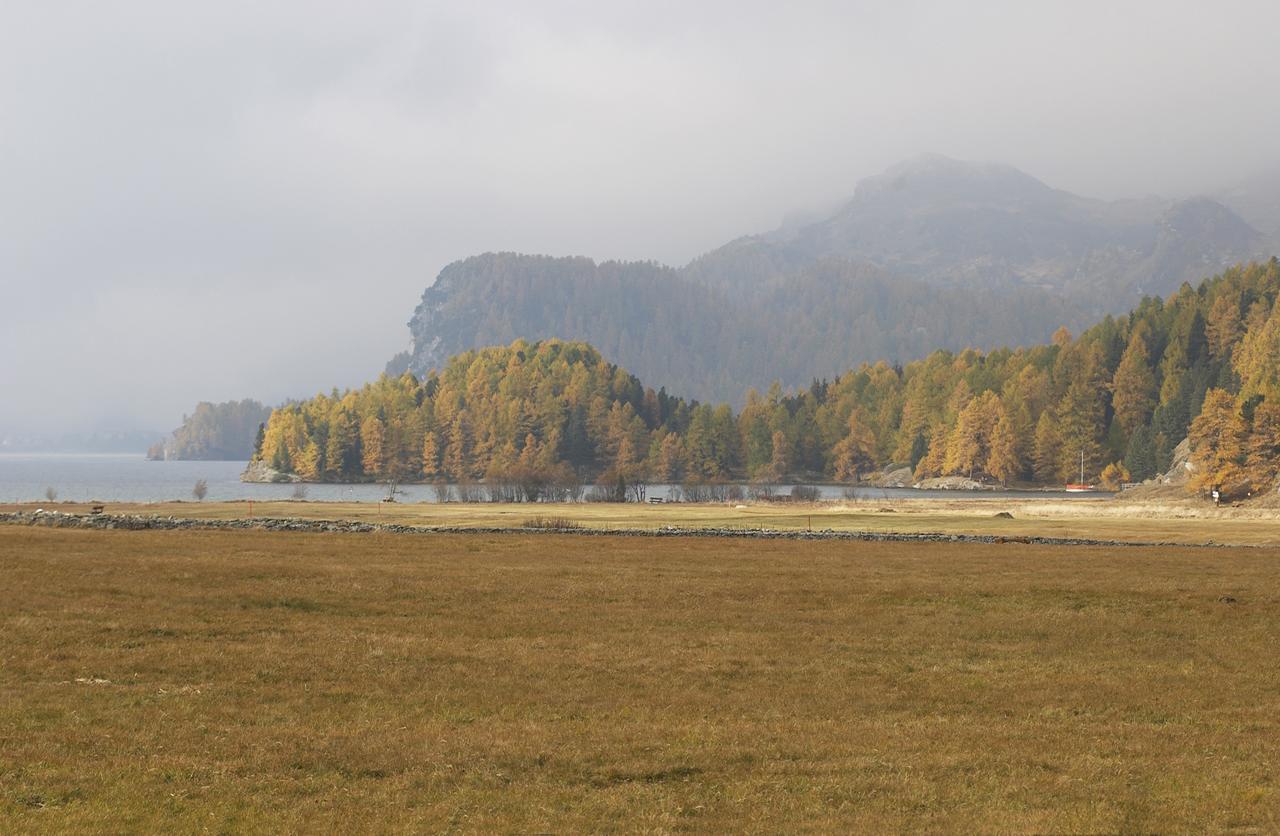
[99,441]
[933,253]
[948,222]
[1257,200]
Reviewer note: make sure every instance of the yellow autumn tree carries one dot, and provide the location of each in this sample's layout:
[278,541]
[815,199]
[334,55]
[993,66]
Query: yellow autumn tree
[1003,461]
[780,457]
[430,456]
[1262,447]
[1218,445]
[372,445]
[855,454]
[1114,476]
[1257,359]
[1133,389]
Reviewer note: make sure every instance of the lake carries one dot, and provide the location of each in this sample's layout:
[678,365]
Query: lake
[24,477]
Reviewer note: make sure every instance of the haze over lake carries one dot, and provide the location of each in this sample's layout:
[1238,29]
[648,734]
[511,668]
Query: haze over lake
[24,477]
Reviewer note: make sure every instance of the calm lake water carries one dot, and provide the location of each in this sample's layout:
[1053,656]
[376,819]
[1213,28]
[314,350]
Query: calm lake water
[24,477]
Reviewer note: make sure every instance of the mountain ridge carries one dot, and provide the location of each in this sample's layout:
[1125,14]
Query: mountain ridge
[971,254]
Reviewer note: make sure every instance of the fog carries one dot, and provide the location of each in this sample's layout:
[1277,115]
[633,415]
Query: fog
[204,201]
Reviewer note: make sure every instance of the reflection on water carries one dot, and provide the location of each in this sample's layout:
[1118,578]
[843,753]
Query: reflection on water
[24,477]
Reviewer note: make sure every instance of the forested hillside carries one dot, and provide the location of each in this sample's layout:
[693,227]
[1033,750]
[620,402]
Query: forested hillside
[222,431]
[1124,394]
[710,338]
[932,254]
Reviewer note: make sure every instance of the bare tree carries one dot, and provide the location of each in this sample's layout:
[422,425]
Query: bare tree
[50,494]
[201,490]
[299,491]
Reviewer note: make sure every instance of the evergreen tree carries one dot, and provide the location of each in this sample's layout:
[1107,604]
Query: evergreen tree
[1080,416]
[1048,447]
[1140,455]
[342,458]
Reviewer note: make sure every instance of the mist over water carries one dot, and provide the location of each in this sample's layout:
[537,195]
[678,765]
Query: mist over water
[212,201]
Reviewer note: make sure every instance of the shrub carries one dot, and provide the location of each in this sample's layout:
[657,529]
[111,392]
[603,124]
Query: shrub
[805,493]
[469,492]
[553,523]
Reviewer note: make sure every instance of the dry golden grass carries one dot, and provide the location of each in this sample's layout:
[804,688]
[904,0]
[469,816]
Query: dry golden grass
[247,681]
[1188,521]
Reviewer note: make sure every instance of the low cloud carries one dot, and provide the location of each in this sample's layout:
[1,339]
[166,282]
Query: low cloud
[216,200]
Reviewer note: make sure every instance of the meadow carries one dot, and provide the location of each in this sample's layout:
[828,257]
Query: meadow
[254,681]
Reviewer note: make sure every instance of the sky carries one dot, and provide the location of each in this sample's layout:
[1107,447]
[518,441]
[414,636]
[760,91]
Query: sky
[217,200]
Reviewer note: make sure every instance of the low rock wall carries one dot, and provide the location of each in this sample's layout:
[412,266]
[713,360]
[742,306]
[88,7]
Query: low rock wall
[141,522]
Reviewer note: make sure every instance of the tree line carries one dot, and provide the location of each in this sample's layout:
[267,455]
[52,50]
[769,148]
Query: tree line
[1121,395]
[712,339]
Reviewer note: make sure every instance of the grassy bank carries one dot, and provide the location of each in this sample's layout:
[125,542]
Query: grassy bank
[251,681]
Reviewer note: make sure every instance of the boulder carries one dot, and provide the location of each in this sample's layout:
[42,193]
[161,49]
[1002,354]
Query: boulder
[1180,471]
[892,477]
[259,471]
[951,483]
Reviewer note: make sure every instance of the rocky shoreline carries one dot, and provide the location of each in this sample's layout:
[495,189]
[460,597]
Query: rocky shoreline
[140,522]
[261,472]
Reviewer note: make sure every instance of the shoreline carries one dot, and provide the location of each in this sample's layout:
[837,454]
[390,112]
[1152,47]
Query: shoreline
[136,522]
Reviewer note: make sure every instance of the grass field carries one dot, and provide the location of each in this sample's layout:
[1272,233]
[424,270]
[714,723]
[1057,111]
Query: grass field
[1185,521]
[253,681]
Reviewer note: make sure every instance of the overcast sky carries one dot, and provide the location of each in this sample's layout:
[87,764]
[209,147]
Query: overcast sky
[214,200]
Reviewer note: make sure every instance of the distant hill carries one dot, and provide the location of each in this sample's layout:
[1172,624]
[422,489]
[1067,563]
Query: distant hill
[712,340]
[215,432]
[934,253]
